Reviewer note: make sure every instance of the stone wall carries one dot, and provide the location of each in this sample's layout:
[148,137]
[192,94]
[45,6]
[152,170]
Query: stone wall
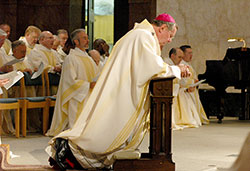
[206,25]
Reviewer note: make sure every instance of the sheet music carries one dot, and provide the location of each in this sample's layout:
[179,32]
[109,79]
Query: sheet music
[14,61]
[13,77]
[38,72]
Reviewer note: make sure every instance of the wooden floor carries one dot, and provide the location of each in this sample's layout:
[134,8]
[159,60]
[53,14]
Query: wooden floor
[5,166]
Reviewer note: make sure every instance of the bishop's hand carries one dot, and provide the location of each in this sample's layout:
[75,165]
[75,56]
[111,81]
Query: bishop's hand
[184,70]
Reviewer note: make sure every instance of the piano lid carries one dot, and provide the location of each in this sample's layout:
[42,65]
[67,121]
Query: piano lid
[236,54]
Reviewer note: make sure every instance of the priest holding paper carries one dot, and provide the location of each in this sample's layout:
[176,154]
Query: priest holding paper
[76,84]
[114,118]
[43,52]
[191,113]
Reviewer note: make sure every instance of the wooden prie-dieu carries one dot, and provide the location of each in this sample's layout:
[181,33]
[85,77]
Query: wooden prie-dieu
[159,157]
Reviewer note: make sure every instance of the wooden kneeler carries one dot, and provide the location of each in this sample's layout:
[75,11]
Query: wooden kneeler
[159,157]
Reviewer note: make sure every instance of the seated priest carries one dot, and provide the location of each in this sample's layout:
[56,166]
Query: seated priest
[30,38]
[175,58]
[43,53]
[5,120]
[191,110]
[7,43]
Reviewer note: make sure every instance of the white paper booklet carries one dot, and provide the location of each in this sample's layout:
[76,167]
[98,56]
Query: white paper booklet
[197,83]
[38,72]
[13,77]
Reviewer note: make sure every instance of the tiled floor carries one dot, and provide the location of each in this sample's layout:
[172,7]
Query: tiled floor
[194,149]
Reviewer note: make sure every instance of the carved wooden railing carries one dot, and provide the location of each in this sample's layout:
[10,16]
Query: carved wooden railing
[159,157]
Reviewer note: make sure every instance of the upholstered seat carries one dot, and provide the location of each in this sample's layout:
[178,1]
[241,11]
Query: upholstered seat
[12,103]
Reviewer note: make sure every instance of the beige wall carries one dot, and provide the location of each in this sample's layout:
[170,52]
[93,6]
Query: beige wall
[206,25]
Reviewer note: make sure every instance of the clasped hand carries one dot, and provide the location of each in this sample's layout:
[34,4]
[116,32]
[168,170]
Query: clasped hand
[184,70]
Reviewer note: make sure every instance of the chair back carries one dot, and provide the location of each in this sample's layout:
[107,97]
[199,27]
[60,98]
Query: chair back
[39,81]
[51,79]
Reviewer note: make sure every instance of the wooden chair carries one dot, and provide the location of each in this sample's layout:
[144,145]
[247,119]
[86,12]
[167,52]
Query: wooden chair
[50,80]
[34,102]
[11,103]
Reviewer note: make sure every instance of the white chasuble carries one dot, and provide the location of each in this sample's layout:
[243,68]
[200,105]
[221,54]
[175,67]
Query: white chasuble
[74,88]
[114,117]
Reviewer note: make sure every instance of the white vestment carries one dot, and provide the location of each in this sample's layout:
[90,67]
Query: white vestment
[49,57]
[7,46]
[175,106]
[78,71]
[5,121]
[61,53]
[191,113]
[4,58]
[21,66]
[114,117]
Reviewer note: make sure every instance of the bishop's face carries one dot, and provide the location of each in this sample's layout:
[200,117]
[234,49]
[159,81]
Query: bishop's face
[164,35]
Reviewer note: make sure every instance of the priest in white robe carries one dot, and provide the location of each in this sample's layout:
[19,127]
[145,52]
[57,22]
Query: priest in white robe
[30,37]
[175,58]
[43,52]
[63,37]
[23,65]
[76,84]
[191,110]
[5,118]
[7,43]
[114,117]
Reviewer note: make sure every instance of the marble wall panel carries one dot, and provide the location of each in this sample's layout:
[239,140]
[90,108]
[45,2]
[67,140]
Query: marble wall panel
[206,25]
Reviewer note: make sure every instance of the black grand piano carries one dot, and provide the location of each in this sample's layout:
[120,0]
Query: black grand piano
[233,70]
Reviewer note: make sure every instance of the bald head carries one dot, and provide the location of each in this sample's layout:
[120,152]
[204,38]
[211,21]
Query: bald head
[46,39]
[95,55]
[176,55]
